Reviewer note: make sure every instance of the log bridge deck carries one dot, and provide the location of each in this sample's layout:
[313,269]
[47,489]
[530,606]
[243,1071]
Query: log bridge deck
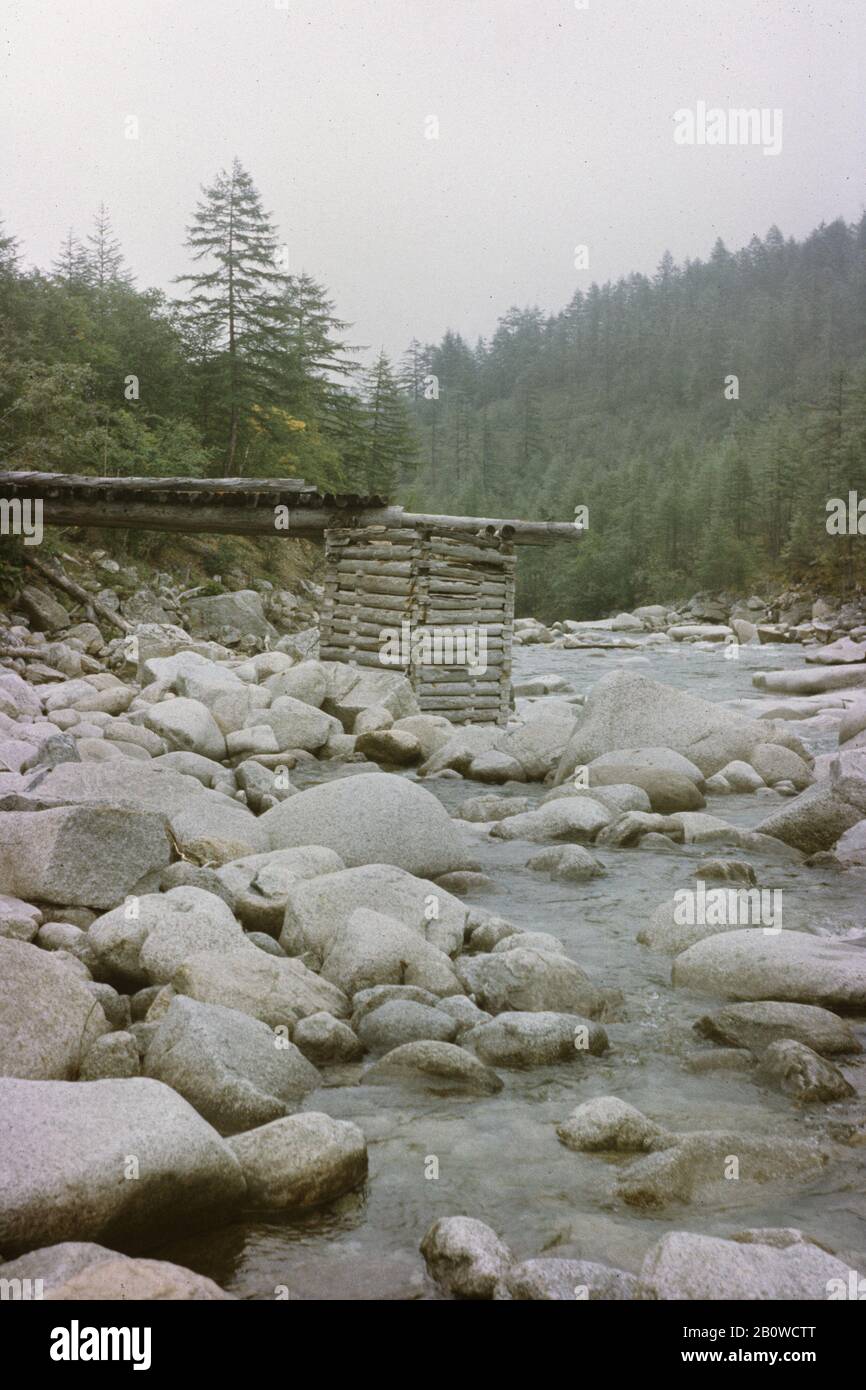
[448,579]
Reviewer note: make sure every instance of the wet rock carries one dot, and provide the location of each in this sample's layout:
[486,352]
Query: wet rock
[720,1059]
[301,1161]
[529,981]
[687,1266]
[485,935]
[149,1164]
[607,1124]
[465,1257]
[276,991]
[710,1166]
[234,1070]
[567,864]
[801,1073]
[495,767]
[726,871]
[317,908]
[89,856]
[535,1039]
[377,819]
[326,1041]
[758,1025]
[541,941]
[373,949]
[48,1019]
[755,964]
[435,1065]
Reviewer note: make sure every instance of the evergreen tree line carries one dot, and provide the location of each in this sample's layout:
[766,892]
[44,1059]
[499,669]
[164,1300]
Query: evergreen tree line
[704,415]
[246,372]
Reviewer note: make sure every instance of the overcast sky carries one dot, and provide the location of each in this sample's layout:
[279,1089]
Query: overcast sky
[556,129]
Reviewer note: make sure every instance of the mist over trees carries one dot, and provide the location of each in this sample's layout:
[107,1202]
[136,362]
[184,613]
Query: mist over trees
[624,402]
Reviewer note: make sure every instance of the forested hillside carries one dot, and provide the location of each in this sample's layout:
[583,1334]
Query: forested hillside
[246,371]
[624,403]
[703,415]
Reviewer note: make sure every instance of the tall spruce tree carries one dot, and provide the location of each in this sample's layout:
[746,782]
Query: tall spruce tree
[236,304]
[103,253]
[391,445]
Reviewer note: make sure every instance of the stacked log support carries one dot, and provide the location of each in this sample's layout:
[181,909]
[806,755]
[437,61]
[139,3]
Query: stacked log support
[430,602]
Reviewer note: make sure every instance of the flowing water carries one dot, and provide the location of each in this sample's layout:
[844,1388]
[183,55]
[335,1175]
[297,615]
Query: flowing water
[498,1157]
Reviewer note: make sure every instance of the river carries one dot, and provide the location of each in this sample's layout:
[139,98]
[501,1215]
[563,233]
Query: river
[498,1157]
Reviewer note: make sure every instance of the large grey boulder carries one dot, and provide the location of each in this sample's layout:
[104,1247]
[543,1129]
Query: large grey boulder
[75,1271]
[530,981]
[377,819]
[297,725]
[786,965]
[538,745]
[815,819]
[149,1165]
[188,726]
[302,1161]
[144,941]
[229,616]
[234,1070]
[316,908]
[628,710]
[213,830]
[373,949]
[388,689]
[260,884]
[706,1166]
[276,990]
[758,1025]
[84,856]
[48,1017]
[618,767]
[683,1265]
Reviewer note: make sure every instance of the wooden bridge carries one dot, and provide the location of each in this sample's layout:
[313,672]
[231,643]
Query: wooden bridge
[431,595]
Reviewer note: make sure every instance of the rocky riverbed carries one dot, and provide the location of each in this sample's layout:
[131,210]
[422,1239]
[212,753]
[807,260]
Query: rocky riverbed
[305,994]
